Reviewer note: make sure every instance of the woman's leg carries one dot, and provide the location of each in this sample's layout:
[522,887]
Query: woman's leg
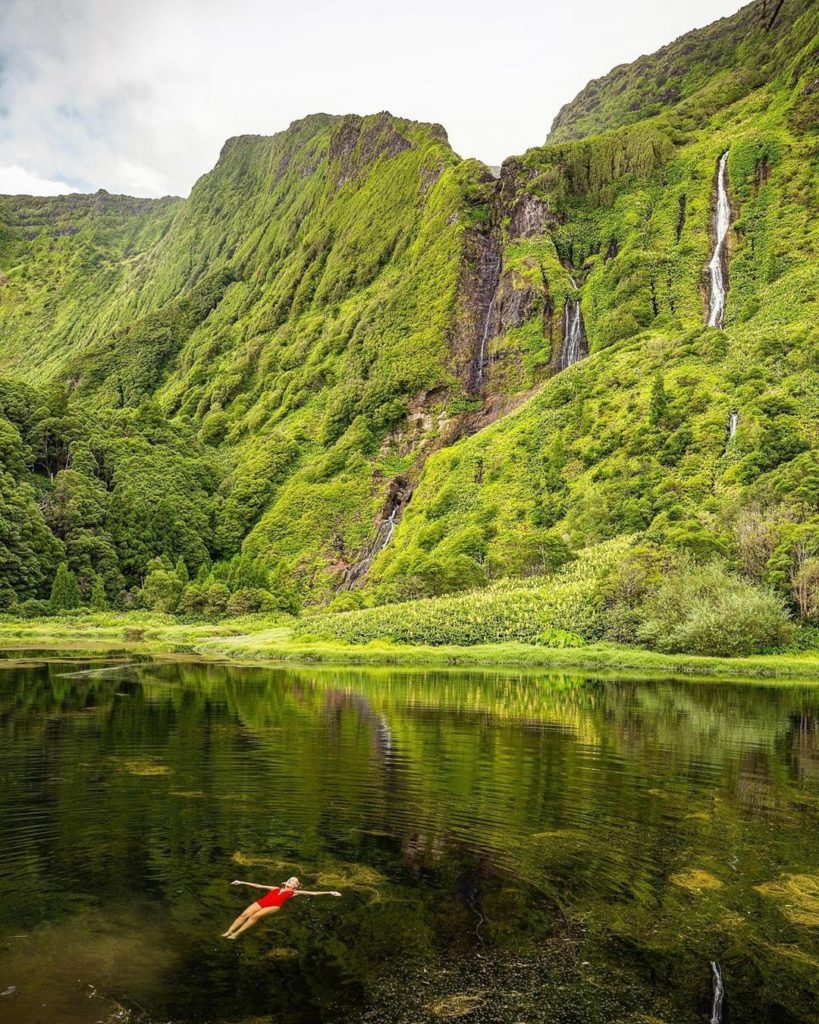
[240,920]
[253,919]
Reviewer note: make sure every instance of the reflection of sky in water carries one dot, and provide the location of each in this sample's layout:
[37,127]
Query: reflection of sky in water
[510,845]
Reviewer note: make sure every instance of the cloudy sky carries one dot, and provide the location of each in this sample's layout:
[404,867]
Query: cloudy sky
[138,96]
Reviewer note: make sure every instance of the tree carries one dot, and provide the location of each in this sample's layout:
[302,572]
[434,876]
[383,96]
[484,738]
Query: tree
[162,587]
[805,587]
[99,600]
[65,592]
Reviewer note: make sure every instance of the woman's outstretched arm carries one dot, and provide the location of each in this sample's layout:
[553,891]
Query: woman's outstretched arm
[306,892]
[253,885]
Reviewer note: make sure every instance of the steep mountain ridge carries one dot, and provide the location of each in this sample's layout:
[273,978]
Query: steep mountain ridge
[700,72]
[312,292]
[283,364]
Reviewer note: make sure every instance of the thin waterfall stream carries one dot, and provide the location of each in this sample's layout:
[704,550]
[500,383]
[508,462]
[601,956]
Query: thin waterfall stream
[733,423]
[494,277]
[716,267]
[574,346]
[397,502]
[382,538]
[574,335]
[719,994]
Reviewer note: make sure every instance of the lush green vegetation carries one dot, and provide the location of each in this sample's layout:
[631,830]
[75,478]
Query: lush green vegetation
[694,76]
[208,403]
[556,611]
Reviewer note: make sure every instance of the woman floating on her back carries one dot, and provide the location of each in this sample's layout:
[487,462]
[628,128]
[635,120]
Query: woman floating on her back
[271,903]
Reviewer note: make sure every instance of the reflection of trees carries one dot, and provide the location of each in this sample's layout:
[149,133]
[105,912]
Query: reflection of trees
[802,746]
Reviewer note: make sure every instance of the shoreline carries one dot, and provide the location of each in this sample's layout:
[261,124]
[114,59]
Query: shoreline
[260,642]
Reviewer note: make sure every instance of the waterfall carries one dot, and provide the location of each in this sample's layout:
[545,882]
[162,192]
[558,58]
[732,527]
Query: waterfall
[733,420]
[574,335]
[399,495]
[719,992]
[494,276]
[385,532]
[716,268]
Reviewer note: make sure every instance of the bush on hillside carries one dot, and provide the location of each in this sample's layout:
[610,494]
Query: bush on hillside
[249,600]
[34,609]
[627,584]
[711,611]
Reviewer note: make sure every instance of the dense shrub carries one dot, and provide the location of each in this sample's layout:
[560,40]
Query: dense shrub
[250,599]
[33,609]
[709,610]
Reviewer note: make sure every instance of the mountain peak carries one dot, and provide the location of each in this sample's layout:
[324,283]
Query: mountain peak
[698,73]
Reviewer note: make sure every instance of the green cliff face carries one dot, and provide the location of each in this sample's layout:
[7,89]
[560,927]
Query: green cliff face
[641,436]
[340,362]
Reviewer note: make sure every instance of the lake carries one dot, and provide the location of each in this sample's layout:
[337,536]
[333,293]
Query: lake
[511,846]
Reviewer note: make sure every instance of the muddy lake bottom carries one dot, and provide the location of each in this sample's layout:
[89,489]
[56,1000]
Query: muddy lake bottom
[511,846]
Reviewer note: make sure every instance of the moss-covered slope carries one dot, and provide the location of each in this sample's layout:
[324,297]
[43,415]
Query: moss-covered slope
[640,436]
[309,299]
[697,74]
[339,361]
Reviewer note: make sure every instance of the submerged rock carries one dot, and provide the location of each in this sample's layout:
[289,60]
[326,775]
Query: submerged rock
[695,880]
[458,1005]
[281,953]
[251,860]
[352,875]
[797,897]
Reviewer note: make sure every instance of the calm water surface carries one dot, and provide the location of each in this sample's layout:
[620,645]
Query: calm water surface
[511,847]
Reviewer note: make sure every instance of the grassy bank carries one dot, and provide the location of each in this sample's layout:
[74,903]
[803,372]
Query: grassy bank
[278,644]
[258,638]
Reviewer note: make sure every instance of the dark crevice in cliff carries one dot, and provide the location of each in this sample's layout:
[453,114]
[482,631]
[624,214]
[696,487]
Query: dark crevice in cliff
[683,201]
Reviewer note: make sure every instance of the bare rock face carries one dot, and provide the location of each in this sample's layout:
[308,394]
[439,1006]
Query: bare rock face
[530,215]
[476,290]
[359,141]
[513,304]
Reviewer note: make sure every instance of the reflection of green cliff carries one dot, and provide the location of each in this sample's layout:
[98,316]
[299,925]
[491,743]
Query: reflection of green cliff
[552,807]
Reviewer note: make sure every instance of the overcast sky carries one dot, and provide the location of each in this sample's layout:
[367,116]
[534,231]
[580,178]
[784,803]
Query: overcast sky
[137,96]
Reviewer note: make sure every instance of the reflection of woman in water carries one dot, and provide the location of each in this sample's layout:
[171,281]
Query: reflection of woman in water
[272,902]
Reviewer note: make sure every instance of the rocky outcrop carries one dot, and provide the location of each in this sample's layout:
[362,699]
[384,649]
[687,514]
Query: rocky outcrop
[514,299]
[480,272]
[358,141]
[530,216]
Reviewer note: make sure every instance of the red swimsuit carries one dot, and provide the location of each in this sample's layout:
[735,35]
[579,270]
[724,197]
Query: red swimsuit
[276,897]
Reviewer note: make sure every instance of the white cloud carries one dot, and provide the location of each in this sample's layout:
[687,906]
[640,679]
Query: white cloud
[16,180]
[139,97]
